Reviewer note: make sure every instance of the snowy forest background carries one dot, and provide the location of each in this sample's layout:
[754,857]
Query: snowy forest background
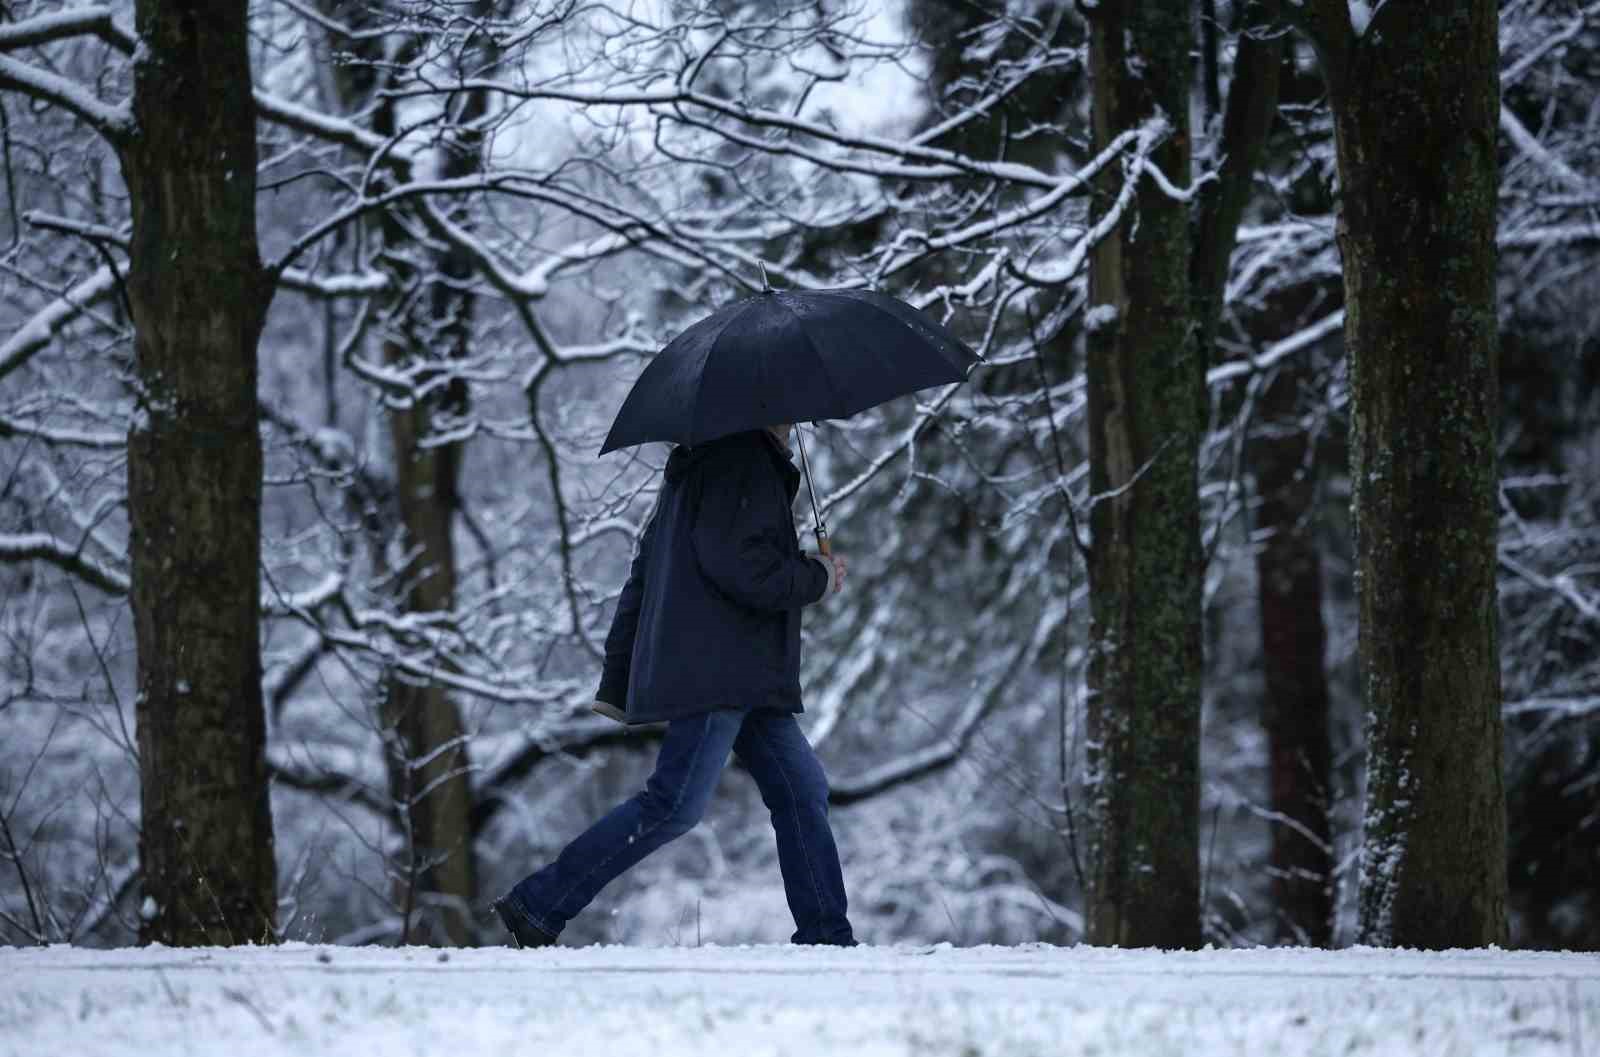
[480,220]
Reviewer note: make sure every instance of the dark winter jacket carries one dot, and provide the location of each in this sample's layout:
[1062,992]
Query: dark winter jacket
[710,615]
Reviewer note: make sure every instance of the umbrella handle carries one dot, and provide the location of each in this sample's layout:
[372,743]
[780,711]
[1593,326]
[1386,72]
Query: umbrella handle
[823,546]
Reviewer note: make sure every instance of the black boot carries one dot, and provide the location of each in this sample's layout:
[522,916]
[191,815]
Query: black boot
[524,933]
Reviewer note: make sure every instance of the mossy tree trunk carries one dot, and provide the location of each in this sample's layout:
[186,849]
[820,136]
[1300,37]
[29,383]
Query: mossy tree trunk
[1146,395]
[1416,102]
[199,295]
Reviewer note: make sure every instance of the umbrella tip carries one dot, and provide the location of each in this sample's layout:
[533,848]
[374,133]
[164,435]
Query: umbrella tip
[766,287]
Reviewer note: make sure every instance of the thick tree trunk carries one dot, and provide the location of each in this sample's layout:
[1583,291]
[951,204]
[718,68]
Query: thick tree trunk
[1146,389]
[1416,102]
[199,295]
[1295,710]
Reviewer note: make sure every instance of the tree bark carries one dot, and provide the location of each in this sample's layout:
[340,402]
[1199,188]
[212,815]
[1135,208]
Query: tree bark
[1295,710]
[1289,574]
[425,740]
[426,746]
[199,295]
[1252,108]
[1416,103]
[1146,393]
[427,320]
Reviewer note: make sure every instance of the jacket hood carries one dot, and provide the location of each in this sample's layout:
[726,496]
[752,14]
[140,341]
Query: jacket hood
[683,457]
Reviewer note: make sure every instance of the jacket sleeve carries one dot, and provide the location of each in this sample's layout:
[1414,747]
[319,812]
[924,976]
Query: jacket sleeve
[619,640]
[735,538]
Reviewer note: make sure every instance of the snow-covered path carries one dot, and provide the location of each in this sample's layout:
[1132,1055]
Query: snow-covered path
[1030,1001]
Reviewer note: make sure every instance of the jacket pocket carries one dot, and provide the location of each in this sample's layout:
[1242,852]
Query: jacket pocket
[765,634]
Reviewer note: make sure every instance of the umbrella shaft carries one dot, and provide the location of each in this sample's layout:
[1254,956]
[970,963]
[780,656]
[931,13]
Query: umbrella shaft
[822,530]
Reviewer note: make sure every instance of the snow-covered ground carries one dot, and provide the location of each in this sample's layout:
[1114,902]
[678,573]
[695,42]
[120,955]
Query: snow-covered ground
[1029,1001]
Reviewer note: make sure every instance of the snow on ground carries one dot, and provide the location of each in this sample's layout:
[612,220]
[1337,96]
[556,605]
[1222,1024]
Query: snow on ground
[1030,1001]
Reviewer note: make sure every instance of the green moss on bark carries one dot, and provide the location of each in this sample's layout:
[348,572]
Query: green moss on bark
[1145,391]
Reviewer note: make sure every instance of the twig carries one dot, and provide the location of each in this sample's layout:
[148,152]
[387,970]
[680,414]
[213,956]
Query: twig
[22,874]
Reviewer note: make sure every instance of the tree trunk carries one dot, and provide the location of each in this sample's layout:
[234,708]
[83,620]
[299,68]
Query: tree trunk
[427,320]
[426,745]
[199,295]
[1289,575]
[426,748]
[1295,710]
[1146,392]
[1416,104]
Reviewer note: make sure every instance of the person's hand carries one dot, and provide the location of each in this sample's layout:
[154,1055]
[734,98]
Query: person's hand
[835,564]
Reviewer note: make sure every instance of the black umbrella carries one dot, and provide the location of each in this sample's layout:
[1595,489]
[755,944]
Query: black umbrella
[787,356]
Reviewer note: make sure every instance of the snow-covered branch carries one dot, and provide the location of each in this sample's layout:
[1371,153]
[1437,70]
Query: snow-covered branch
[59,435]
[349,285]
[921,161]
[63,25]
[1550,235]
[115,123]
[41,546]
[37,333]
[324,126]
[1279,350]
[1529,145]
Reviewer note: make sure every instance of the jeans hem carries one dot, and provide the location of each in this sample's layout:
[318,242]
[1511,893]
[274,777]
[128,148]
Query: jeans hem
[799,827]
[518,907]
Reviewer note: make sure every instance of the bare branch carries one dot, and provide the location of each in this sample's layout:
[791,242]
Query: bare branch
[343,787]
[588,737]
[936,757]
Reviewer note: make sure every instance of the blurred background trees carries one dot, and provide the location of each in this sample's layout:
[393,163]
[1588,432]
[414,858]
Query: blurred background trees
[480,219]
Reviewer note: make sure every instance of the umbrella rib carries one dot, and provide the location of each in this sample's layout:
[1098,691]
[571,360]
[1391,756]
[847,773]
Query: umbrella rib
[711,347]
[822,361]
[938,346]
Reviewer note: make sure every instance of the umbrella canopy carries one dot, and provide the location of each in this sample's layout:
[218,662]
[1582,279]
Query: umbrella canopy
[786,356]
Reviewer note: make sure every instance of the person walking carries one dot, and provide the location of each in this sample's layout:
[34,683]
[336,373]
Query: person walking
[706,637]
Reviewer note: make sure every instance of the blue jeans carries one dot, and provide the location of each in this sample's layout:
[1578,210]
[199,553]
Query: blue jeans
[693,753]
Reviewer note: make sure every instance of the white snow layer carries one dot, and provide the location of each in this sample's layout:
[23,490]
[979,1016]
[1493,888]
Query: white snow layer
[1034,1000]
